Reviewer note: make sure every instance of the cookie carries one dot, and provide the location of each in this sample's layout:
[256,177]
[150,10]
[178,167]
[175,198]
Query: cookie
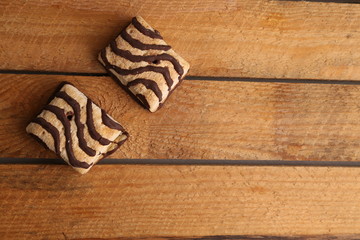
[144,64]
[76,129]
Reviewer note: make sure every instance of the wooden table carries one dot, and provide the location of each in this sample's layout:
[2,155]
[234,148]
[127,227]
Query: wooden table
[261,141]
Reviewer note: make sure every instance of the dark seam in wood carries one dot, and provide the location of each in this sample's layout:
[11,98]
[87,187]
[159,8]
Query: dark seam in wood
[200,78]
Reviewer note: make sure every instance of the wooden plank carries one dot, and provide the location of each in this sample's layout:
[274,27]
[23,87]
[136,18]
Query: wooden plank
[50,201]
[202,119]
[251,38]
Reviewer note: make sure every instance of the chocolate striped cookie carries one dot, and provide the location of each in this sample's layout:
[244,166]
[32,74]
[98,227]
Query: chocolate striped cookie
[144,65]
[76,129]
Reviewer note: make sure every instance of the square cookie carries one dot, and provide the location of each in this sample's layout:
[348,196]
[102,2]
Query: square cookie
[76,129]
[144,65]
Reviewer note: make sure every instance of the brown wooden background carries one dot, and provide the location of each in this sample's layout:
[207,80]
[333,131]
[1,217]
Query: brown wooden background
[262,140]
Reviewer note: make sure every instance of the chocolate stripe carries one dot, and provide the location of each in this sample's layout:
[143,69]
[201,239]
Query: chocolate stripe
[163,70]
[150,59]
[143,100]
[117,146]
[143,46]
[52,130]
[110,123]
[90,124]
[144,30]
[80,127]
[60,114]
[149,84]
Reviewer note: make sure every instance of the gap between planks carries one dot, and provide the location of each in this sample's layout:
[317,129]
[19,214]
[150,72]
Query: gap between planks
[195,78]
[188,162]
[234,237]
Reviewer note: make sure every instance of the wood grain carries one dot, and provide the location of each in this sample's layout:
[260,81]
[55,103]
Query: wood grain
[202,119]
[244,38]
[49,201]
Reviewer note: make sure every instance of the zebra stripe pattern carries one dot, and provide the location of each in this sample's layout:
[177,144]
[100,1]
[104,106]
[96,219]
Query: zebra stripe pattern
[144,64]
[76,129]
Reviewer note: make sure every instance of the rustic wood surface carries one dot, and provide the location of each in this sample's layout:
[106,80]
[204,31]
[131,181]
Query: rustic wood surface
[49,201]
[209,119]
[202,119]
[243,38]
